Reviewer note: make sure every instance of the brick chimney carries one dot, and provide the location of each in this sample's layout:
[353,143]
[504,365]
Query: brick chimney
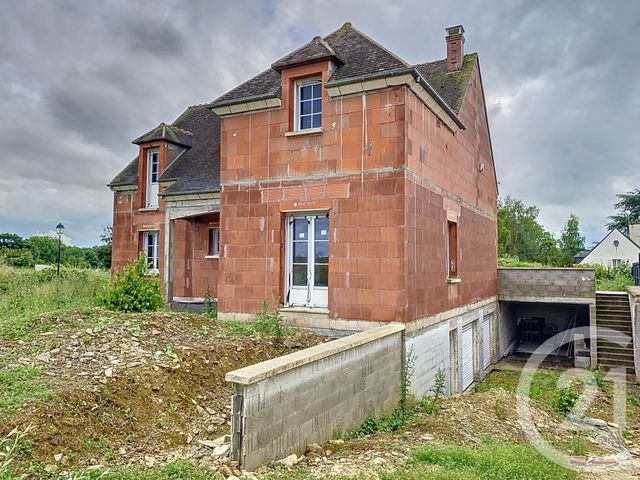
[455,48]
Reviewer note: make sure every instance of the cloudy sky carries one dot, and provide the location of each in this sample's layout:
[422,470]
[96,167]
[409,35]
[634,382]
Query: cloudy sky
[80,79]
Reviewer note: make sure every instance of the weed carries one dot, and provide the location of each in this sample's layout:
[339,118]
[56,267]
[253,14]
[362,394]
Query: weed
[565,399]
[501,410]
[10,448]
[431,403]
[210,307]
[269,322]
[597,378]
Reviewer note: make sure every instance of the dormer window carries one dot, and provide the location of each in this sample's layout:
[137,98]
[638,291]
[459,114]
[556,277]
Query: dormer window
[153,168]
[308,104]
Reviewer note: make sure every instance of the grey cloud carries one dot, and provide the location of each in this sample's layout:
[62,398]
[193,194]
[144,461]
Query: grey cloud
[79,80]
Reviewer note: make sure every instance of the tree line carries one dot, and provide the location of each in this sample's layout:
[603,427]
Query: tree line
[522,239]
[17,251]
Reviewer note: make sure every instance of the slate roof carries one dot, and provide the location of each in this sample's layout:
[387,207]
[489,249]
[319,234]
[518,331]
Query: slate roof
[128,175]
[358,57]
[169,133]
[450,86]
[195,168]
[314,51]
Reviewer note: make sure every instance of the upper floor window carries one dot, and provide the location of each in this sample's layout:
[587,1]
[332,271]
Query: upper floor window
[153,172]
[308,103]
[214,242]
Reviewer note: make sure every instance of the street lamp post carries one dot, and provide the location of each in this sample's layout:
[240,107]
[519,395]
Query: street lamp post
[59,231]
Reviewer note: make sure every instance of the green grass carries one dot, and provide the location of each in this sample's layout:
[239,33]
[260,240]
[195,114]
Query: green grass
[179,470]
[18,384]
[496,461]
[543,384]
[26,294]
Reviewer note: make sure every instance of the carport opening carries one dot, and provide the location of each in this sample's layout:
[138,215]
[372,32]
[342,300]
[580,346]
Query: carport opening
[528,325]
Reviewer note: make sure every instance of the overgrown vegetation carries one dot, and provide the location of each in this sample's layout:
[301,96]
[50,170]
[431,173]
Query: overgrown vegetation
[27,294]
[613,279]
[430,404]
[134,290]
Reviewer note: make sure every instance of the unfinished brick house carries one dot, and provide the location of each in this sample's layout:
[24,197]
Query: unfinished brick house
[343,183]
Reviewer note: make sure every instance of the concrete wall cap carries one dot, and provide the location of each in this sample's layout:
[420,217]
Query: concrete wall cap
[263,370]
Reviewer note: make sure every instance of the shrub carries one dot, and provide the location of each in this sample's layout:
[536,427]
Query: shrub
[133,290]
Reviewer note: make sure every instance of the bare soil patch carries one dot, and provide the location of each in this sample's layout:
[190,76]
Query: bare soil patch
[133,388]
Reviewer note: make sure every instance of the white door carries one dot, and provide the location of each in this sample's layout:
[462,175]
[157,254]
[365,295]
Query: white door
[307,273]
[153,165]
[486,341]
[467,356]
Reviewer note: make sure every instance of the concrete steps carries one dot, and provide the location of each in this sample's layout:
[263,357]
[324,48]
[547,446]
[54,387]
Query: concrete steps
[613,320]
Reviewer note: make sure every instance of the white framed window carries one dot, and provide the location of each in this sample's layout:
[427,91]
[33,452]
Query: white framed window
[308,104]
[153,172]
[151,250]
[615,262]
[213,249]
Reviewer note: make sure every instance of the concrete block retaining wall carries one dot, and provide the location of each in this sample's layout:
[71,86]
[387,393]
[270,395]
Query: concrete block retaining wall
[568,285]
[282,405]
[430,349]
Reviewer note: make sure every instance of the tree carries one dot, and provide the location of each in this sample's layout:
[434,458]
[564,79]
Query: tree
[628,208]
[571,242]
[44,249]
[548,253]
[11,241]
[103,252]
[519,233]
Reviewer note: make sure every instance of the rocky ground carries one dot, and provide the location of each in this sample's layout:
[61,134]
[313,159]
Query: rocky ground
[133,389]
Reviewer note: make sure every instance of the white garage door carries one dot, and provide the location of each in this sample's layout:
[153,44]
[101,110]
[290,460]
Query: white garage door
[486,341]
[467,356]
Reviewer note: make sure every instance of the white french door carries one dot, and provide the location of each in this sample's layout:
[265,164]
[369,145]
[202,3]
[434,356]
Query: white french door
[307,251]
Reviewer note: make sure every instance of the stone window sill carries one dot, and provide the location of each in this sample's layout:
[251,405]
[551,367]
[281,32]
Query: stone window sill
[149,209]
[212,256]
[306,131]
[453,280]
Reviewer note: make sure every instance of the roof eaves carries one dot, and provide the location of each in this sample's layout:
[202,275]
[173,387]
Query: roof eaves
[189,192]
[235,101]
[401,71]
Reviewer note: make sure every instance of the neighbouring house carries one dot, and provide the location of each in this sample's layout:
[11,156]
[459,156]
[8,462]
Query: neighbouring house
[343,183]
[615,248]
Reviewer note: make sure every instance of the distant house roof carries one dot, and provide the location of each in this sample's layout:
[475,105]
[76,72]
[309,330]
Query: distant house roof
[195,166]
[615,232]
[358,57]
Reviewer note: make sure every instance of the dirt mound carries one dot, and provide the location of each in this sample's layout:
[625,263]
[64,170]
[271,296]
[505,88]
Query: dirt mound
[137,387]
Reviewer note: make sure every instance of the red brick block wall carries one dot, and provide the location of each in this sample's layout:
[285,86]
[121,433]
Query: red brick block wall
[389,173]
[446,181]
[194,275]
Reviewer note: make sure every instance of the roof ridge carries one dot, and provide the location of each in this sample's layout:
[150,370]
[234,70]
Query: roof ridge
[433,62]
[349,26]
